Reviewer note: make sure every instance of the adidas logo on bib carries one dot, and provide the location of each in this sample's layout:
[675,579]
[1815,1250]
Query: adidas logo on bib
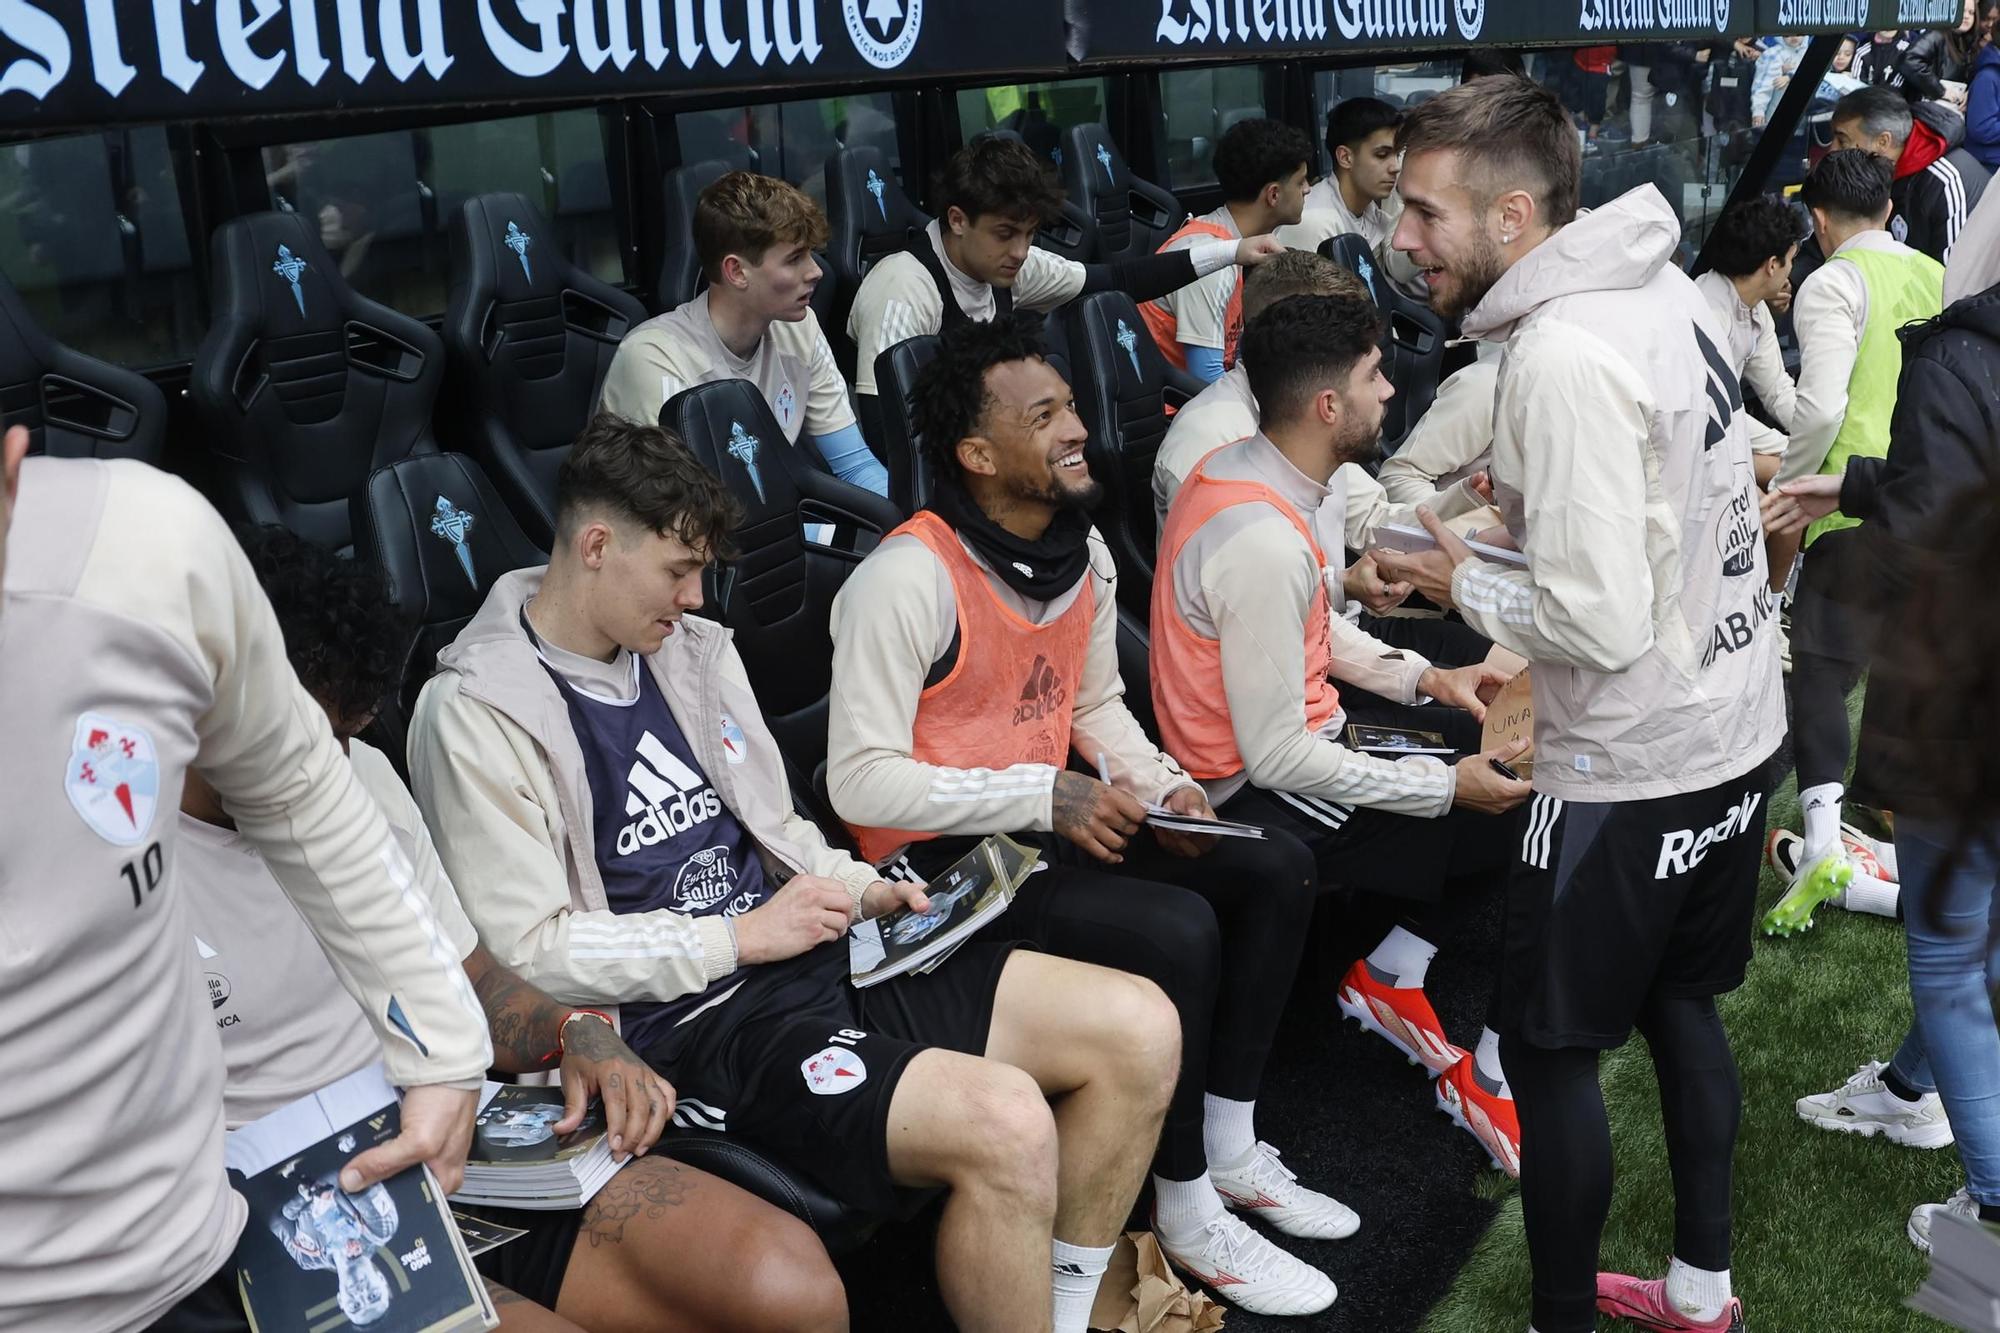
[1042,694]
[667,796]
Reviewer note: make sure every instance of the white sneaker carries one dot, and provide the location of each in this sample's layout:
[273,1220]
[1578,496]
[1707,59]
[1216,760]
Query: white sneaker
[1244,1269]
[1266,1188]
[1878,858]
[1920,1220]
[1864,1106]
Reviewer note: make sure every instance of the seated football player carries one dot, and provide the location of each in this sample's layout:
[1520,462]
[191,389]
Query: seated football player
[615,812]
[1241,597]
[1226,411]
[1748,284]
[136,648]
[755,237]
[975,651]
[288,1029]
[1359,195]
[1261,166]
[979,260]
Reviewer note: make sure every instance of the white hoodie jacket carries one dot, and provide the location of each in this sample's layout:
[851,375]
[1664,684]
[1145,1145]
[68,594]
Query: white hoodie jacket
[1621,464]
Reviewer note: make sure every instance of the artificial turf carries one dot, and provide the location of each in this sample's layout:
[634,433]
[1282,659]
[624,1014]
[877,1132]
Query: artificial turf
[1819,1241]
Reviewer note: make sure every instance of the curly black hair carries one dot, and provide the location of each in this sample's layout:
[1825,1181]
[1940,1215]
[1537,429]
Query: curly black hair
[348,643]
[1257,152]
[949,399]
[1752,232]
[1303,345]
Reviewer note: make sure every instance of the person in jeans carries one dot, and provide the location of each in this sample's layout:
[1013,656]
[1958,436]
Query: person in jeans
[1916,754]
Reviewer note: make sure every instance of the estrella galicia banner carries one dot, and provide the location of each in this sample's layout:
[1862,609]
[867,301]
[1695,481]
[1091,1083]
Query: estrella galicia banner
[1855,15]
[1210,29]
[73,62]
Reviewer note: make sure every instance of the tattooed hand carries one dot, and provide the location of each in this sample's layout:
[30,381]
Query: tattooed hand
[1097,818]
[637,1101]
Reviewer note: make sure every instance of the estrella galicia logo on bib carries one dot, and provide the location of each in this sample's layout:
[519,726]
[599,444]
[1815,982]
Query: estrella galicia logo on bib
[1471,17]
[884,32]
[706,878]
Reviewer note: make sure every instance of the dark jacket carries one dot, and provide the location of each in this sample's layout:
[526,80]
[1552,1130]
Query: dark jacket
[1932,58]
[1944,445]
[1937,182]
[1982,108]
[1881,63]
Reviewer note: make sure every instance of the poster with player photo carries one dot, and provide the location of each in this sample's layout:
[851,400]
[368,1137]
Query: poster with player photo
[1395,740]
[313,1257]
[976,888]
[519,1161]
[518,1125]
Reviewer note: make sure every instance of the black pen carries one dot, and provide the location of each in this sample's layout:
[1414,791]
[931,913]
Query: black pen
[1504,771]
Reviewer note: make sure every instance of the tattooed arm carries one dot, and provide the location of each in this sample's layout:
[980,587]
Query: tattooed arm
[1095,817]
[531,1032]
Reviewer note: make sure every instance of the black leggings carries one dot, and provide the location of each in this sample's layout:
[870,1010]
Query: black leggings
[1831,636]
[1819,716]
[1566,1151]
[1221,935]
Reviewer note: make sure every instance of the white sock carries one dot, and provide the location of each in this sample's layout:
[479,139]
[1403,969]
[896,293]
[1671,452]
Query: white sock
[1076,1271]
[1696,1292]
[1228,1129]
[1822,807]
[1486,1057]
[1865,893]
[1180,1207]
[1404,956]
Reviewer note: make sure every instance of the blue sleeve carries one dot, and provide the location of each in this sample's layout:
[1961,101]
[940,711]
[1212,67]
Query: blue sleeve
[1982,115]
[1205,362]
[847,454]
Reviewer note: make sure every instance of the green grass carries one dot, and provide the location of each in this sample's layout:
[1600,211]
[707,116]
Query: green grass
[1819,1217]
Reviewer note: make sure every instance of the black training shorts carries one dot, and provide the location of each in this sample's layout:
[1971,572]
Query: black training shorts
[803,1066]
[532,1266]
[1612,902]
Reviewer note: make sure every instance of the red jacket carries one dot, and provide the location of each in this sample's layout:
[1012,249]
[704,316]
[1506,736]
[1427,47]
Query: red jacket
[1925,146]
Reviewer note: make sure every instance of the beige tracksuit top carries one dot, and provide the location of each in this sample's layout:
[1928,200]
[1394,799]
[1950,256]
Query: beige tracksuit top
[134,645]
[1625,477]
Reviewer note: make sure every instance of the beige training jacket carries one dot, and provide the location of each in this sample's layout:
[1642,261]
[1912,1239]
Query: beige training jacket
[501,781]
[1622,468]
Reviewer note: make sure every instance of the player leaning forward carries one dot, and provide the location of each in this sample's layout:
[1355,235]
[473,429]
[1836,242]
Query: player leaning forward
[1622,468]
[135,645]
